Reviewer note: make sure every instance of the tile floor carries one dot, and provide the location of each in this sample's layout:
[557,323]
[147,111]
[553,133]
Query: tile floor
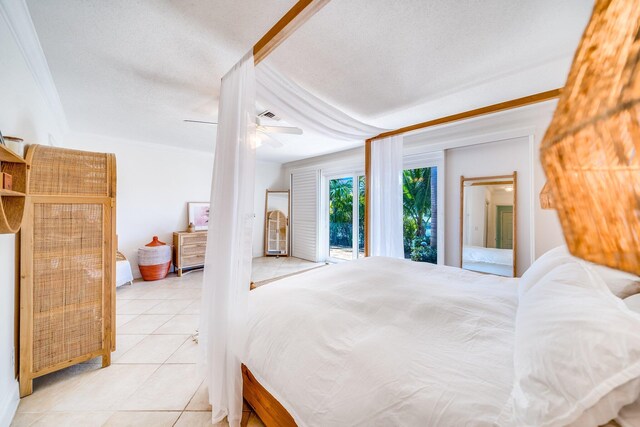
[153,380]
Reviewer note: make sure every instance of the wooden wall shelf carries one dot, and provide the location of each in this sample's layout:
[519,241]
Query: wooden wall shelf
[11,193]
[12,201]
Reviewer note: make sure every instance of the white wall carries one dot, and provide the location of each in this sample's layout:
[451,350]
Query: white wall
[155,183]
[268,177]
[24,113]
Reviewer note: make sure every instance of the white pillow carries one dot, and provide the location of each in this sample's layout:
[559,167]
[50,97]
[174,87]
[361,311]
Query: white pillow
[620,283]
[542,266]
[633,302]
[575,343]
[629,416]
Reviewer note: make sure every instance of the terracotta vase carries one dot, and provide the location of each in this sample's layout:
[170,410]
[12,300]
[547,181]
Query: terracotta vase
[154,260]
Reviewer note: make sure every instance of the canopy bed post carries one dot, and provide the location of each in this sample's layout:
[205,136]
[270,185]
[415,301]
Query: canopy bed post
[228,255]
[287,25]
[482,111]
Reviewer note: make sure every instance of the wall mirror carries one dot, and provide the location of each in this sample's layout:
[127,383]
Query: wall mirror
[488,224]
[276,223]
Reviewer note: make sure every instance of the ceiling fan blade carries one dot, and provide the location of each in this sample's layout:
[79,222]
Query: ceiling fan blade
[280,129]
[200,121]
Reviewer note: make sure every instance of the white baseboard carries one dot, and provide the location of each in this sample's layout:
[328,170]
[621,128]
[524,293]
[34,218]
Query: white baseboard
[9,404]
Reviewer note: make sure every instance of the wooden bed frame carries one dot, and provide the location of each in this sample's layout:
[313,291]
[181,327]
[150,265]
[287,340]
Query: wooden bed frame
[270,411]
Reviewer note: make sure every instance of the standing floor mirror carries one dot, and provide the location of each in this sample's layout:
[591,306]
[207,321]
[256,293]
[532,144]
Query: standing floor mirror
[276,223]
[488,224]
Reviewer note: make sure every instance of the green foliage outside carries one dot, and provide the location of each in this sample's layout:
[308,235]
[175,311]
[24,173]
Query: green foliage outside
[341,212]
[416,204]
[416,212]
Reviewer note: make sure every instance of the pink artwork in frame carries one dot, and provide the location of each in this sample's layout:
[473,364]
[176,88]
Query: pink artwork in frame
[199,215]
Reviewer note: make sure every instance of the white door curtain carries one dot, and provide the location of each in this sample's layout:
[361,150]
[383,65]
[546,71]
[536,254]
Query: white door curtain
[228,257]
[385,198]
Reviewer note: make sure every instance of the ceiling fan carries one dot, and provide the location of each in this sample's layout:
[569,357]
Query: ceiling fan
[264,129]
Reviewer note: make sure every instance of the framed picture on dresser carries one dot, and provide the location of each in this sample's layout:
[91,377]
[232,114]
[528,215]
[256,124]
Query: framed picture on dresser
[198,214]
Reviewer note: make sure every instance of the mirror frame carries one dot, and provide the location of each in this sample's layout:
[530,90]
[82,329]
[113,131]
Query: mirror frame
[266,222]
[491,180]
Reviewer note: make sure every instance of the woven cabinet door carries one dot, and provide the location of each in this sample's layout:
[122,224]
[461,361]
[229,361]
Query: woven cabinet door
[67,270]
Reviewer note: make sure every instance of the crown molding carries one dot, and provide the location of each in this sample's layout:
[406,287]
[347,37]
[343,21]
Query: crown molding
[17,16]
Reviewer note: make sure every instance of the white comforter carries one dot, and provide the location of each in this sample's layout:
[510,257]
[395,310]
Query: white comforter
[385,342]
[488,255]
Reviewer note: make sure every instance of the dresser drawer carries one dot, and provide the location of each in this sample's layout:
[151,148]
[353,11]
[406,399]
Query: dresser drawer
[190,249]
[193,239]
[192,260]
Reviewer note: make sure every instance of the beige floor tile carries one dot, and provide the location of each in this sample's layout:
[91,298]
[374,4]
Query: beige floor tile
[72,419]
[143,419]
[25,419]
[104,389]
[192,284]
[180,324]
[136,306]
[170,306]
[200,400]
[154,349]
[187,353]
[49,389]
[125,343]
[193,308]
[163,293]
[197,419]
[144,324]
[128,292]
[122,319]
[169,389]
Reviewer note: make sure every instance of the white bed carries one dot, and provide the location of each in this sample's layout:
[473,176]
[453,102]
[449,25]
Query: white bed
[423,345]
[123,273]
[488,260]
[381,341]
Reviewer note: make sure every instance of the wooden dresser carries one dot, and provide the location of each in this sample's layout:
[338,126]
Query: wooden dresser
[189,250]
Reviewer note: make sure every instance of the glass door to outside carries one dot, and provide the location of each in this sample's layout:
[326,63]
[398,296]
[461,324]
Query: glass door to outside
[346,217]
[420,222]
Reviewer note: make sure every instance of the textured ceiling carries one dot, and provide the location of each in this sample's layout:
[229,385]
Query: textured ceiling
[376,57]
[136,68]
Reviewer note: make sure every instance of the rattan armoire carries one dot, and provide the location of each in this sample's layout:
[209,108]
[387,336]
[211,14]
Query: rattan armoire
[67,261]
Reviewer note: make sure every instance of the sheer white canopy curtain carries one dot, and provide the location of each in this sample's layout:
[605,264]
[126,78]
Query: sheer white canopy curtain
[228,259]
[227,270]
[385,198]
[305,110]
